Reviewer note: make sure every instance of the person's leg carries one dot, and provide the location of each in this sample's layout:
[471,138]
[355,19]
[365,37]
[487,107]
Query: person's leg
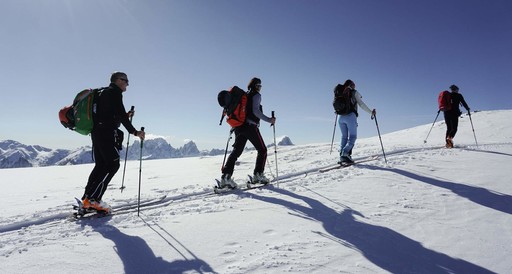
[238,148]
[344,133]
[108,156]
[351,124]
[256,140]
[448,122]
[97,172]
[455,126]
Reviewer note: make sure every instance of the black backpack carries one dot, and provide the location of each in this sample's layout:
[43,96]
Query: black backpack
[344,102]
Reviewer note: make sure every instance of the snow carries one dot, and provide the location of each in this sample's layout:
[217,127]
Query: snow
[428,210]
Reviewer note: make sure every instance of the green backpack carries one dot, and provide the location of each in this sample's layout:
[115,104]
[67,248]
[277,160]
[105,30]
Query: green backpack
[79,116]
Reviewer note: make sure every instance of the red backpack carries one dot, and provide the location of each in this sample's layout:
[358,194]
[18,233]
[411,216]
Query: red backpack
[444,100]
[234,103]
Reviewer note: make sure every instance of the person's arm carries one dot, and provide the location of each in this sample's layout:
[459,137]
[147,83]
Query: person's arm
[463,102]
[120,112]
[359,100]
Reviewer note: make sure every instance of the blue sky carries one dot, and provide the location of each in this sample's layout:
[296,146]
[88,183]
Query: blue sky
[180,54]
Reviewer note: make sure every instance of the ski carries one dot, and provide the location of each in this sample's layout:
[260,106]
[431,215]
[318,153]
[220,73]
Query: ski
[82,213]
[218,189]
[248,186]
[89,214]
[343,165]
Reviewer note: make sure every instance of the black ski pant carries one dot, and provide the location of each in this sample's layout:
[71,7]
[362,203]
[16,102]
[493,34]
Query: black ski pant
[106,158]
[451,118]
[242,134]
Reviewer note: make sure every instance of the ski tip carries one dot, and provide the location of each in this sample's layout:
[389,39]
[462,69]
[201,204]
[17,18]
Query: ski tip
[78,201]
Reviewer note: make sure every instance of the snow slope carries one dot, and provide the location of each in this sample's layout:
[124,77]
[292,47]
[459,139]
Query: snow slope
[428,210]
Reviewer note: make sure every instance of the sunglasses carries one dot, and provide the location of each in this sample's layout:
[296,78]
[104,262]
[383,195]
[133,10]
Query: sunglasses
[122,79]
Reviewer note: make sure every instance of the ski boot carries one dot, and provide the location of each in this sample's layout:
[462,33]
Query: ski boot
[98,206]
[258,178]
[449,142]
[346,161]
[226,183]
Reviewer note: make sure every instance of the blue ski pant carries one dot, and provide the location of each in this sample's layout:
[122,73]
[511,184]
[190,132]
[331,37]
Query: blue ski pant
[348,128]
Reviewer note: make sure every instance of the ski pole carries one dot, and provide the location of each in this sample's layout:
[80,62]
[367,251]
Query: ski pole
[140,172]
[126,154]
[226,151]
[474,135]
[222,117]
[334,131]
[275,149]
[270,169]
[425,141]
[378,131]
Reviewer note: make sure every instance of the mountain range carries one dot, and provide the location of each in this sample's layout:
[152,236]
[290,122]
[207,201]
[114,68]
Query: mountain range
[14,154]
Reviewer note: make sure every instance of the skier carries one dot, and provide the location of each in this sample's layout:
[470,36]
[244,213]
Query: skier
[249,131]
[348,123]
[451,117]
[109,113]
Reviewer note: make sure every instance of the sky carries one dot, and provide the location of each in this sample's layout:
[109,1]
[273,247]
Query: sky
[179,54]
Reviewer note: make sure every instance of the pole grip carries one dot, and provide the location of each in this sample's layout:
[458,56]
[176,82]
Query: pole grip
[141,142]
[273,114]
[222,117]
[131,111]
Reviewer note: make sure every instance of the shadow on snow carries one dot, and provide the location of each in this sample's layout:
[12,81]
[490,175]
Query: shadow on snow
[479,195]
[382,246]
[137,256]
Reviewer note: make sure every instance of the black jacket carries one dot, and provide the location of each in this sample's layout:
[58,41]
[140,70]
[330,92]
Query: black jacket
[458,99]
[110,112]
[249,109]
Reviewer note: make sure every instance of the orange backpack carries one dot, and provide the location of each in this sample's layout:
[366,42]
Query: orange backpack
[234,103]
